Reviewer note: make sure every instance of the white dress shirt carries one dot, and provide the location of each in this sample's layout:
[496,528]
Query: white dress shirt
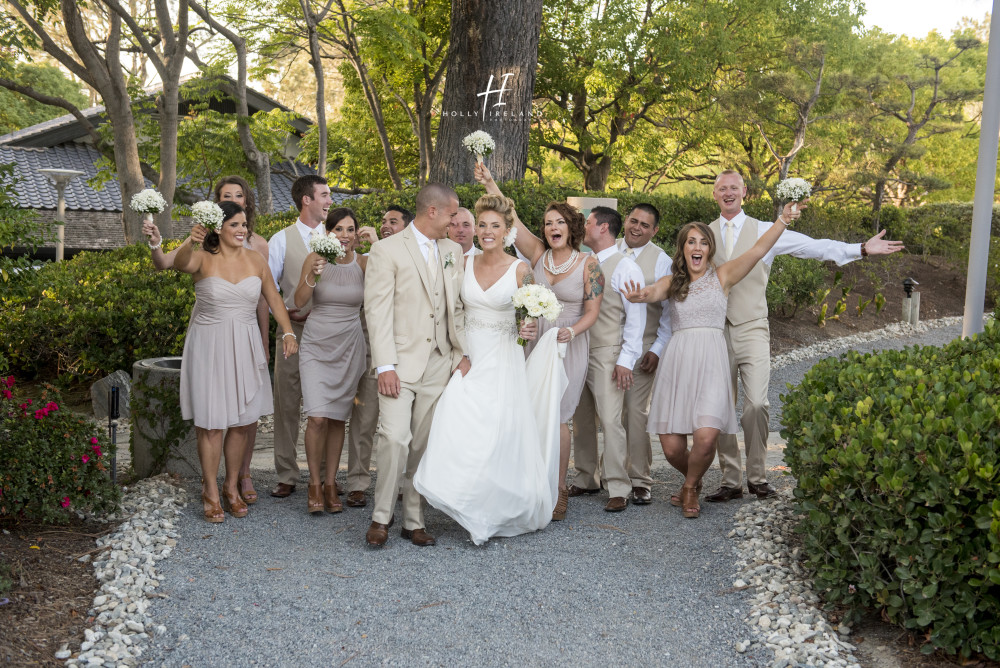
[635,314]
[276,249]
[662,268]
[797,244]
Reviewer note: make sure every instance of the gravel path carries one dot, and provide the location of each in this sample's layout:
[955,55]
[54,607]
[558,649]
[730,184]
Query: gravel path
[283,588]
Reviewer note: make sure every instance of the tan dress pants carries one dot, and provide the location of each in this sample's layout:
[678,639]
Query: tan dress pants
[404,423]
[750,355]
[601,399]
[287,408]
[634,418]
[361,436]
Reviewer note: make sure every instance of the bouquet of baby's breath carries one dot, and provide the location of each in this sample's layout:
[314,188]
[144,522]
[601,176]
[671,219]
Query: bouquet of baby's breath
[208,214]
[148,201]
[535,301]
[327,246]
[479,144]
[793,190]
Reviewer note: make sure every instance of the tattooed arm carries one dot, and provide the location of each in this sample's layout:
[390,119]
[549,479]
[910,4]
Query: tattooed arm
[593,293]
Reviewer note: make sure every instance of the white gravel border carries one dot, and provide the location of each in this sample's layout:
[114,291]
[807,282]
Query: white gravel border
[127,573]
[784,613]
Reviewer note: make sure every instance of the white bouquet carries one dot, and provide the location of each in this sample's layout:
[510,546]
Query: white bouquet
[327,246]
[535,301]
[479,144]
[793,190]
[208,214]
[148,201]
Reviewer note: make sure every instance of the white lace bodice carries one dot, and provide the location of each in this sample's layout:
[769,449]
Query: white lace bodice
[705,305]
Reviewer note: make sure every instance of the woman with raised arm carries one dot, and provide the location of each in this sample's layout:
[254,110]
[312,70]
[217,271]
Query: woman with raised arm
[692,393]
[578,282]
[225,385]
[493,450]
[332,354]
[229,189]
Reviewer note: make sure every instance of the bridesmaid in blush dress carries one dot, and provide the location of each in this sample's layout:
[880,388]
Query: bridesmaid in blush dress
[692,392]
[332,357]
[224,380]
[578,282]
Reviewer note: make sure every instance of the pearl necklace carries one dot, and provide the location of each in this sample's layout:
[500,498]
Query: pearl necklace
[551,267]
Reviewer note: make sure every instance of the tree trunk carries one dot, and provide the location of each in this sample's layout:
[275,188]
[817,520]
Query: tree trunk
[317,64]
[494,48]
[596,173]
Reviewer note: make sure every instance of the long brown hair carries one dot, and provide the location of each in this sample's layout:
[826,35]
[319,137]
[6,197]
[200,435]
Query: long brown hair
[249,202]
[681,280]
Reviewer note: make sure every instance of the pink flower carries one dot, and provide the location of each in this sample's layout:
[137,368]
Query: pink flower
[7,394]
[65,502]
[10,381]
[93,440]
[52,406]
[29,402]
[84,458]
[96,449]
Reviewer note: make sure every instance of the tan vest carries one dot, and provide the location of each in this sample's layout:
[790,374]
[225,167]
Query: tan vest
[441,341]
[295,256]
[647,264]
[607,331]
[747,299]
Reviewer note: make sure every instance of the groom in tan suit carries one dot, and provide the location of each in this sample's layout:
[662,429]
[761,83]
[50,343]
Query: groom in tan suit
[416,324]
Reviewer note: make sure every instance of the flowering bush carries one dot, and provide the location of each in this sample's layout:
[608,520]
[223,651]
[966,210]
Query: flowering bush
[54,461]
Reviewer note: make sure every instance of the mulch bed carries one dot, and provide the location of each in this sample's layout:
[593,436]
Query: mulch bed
[48,591]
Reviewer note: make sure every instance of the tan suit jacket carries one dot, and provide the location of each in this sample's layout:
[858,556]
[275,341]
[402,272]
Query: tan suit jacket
[399,309]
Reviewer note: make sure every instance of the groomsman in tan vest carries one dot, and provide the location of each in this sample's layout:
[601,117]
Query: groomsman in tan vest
[615,347]
[287,250]
[747,332]
[417,328]
[641,225]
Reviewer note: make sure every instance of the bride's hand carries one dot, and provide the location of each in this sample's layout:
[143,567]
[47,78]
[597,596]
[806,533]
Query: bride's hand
[529,329]
[482,174]
[634,293]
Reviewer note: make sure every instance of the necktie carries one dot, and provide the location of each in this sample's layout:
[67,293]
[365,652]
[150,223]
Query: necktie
[431,261]
[730,229]
[629,252]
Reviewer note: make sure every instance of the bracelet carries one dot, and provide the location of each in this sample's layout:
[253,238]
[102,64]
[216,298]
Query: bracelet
[158,244]
[291,334]
[864,251]
[308,284]
[782,221]
[572,333]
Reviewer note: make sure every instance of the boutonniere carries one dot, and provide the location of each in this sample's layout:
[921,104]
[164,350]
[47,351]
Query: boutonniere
[449,259]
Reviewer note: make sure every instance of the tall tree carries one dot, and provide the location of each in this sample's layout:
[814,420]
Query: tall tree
[489,86]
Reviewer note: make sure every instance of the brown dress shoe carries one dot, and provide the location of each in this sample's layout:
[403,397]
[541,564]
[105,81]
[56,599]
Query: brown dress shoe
[641,496]
[725,494]
[577,491]
[377,534]
[616,504]
[282,490]
[356,500]
[763,490]
[419,537]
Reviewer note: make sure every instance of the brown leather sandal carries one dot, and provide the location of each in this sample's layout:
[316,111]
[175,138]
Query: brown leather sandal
[314,504]
[675,499]
[689,499]
[331,503]
[234,507]
[213,511]
[562,505]
[249,496]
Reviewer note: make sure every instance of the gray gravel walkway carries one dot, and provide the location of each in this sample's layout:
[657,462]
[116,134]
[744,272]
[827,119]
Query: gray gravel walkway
[283,588]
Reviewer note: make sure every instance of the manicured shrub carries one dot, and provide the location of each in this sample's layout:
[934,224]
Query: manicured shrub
[93,314]
[898,473]
[792,284]
[54,461]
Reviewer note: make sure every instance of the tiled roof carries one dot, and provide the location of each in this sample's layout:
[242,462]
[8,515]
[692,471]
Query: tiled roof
[35,191]
[39,129]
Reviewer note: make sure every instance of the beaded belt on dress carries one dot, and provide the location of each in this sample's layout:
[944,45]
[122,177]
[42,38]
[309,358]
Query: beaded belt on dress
[501,326]
[698,329]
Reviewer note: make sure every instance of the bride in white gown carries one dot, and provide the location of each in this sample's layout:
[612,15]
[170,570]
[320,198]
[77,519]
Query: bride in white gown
[492,457]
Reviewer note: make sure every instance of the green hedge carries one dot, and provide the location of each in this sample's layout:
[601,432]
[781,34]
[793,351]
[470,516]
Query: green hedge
[93,314]
[898,475]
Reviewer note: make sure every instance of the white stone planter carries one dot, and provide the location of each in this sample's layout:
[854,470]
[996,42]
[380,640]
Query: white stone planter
[153,379]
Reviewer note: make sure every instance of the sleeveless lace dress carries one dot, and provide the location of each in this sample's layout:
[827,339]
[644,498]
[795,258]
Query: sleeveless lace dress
[692,388]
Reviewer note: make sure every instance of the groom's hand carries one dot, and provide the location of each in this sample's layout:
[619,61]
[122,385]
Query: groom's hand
[622,377]
[463,366]
[388,384]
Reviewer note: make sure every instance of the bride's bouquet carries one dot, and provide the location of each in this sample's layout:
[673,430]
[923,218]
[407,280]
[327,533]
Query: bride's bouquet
[327,246]
[148,202]
[793,190]
[207,214]
[479,144]
[535,301]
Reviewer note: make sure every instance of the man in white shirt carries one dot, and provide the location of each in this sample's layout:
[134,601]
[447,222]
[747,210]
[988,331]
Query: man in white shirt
[641,225]
[287,251]
[462,230]
[747,332]
[615,347]
[394,220]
